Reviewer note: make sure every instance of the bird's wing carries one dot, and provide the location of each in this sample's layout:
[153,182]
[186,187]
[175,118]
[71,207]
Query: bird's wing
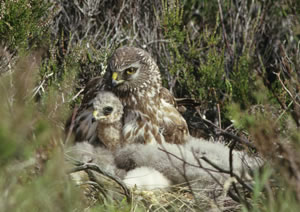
[175,129]
[91,89]
[84,128]
[166,95]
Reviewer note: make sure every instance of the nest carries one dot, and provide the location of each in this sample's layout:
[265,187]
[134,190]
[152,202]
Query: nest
[100,188]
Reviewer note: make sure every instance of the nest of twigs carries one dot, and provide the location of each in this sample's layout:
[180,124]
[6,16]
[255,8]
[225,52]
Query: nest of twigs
[101,188]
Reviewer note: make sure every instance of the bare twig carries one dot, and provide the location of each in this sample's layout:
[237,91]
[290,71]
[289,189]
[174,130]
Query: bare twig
[218,169]
[233,196]
[285,88]
[97,184]
[94,167]
[181,159]
[155,41]
[70,130]
[219,116]
[183,174]
[76,95]
[227,172]
[232,174]
[223,27]
[40,86]
[283,112]
[225,133]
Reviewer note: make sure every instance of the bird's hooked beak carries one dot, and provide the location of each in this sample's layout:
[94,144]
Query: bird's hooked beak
[116,79]
[96,116]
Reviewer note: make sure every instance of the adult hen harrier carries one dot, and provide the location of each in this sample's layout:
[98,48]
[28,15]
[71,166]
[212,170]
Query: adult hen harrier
[149,112]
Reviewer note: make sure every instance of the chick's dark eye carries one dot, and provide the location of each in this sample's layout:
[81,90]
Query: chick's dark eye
[130,71]
[107,110]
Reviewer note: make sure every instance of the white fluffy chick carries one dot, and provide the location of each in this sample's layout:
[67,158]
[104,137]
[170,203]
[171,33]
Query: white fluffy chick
[182,162]
[104,158]
[143,178]
[146,178]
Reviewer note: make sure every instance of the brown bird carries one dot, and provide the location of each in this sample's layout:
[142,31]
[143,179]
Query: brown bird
[149,111]
[108,112]
[100,123]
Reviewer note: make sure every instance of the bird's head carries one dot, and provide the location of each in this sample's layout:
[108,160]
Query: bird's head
[132,68]
[126,76]
[107,108]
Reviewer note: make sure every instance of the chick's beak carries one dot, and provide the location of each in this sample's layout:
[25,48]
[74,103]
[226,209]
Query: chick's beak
[95,116]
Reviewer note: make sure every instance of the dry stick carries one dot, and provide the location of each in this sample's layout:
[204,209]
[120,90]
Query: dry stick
[285,88]
[175,156]
[9,105]
[283,112]
[283,106]
[184,171]
[227,172]
[223,132]
[40,86]
[219,169]
[292,159]
[223,27]
[76,95]
[117,19]
[219,115]
[92,166]
[233,196]
[231,174]
[156,41]
[72,125]
[97,183]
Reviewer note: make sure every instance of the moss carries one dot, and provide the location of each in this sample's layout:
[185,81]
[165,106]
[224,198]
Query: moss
[22,21]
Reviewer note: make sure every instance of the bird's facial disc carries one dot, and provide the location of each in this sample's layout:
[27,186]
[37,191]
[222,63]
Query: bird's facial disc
[124,75]
[107,110]
[117,79]
[103,114]
[97,115]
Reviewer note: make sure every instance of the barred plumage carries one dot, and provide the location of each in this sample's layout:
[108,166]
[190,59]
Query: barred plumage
[149,111]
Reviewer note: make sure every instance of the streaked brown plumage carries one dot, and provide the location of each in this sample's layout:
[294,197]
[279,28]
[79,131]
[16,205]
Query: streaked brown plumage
[100,122]
[108,112]
[149,111]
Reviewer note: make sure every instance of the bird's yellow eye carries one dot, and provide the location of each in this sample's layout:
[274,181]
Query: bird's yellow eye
[130,71]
